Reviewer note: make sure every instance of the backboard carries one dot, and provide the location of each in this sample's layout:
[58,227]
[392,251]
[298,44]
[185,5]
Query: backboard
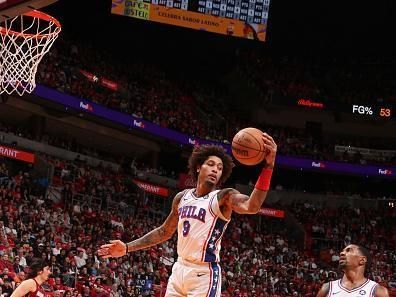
[12,8]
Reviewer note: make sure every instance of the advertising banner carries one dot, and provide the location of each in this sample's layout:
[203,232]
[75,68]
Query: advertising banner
[270,212]
[239,18]
[16,154]
[100,80]
[153,189]
[185,139]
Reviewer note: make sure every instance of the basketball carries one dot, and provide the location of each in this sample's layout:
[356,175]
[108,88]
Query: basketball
[248,146]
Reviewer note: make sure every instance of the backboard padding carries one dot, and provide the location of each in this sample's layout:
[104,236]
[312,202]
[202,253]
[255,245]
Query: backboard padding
[12,8]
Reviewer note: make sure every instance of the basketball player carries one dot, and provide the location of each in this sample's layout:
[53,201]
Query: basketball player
[354,260]
[38,274]
[201,216]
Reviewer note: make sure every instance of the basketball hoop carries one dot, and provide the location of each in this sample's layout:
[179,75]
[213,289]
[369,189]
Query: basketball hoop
[25,39]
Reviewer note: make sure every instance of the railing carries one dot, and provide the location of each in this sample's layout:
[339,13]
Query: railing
[93,202]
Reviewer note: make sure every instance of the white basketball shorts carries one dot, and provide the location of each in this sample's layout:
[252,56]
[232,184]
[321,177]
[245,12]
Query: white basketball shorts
[194,280]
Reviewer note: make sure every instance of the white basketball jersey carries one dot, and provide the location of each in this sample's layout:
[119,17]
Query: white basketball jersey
[201,227]
[367,289]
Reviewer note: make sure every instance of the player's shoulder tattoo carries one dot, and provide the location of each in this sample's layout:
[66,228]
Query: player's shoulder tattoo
[223,193]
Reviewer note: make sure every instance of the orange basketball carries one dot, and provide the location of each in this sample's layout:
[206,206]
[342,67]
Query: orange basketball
[248,146]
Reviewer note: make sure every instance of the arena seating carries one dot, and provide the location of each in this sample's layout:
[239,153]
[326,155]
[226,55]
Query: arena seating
[258,258]
[150,93]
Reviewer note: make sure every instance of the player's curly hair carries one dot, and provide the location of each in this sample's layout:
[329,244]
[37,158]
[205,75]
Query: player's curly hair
[201,153]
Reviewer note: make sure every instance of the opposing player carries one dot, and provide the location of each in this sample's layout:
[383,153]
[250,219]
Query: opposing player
[354,260]
[39,273]
[201,216]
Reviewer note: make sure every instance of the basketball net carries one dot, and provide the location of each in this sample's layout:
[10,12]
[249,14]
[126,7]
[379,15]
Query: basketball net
[25,39]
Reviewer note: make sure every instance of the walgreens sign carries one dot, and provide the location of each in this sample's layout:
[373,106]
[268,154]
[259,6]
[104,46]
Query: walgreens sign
[310,104]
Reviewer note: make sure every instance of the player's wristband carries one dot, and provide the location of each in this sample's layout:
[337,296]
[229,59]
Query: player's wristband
[264,180]
[127,249]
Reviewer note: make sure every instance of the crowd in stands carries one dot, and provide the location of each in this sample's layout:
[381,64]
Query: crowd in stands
[332,80]
[259,257]
[354,187]
[331,229]
[143,90]
[288,180]
[150,93]
[64,141]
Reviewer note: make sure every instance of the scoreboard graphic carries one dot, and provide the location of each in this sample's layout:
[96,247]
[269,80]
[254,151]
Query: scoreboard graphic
[239,18]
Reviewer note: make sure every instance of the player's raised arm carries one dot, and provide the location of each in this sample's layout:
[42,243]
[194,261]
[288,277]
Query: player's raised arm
[117,248]
[324,290]
[243,204]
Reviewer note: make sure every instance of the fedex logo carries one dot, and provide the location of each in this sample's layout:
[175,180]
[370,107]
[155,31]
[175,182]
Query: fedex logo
[385,171]
[193,141]
[138,124]
[318,165]
[86,106]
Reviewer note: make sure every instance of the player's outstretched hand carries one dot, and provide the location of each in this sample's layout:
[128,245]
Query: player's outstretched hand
[271,148]
[114,249]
